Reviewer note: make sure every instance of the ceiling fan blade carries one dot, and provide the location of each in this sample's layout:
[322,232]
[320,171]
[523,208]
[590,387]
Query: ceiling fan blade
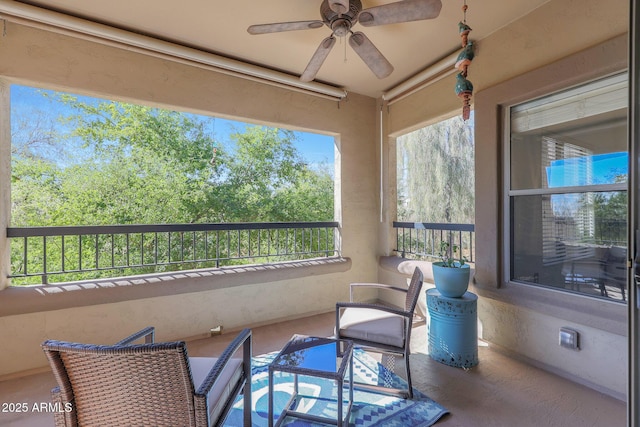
[339,6]
[317,59]
[370,55]
[284,26]
[401,11]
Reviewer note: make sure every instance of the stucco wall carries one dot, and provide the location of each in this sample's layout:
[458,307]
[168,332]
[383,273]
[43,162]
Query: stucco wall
[562,43]
[181,305]
[525,319]
[5,177]
[36,57]
[551,33]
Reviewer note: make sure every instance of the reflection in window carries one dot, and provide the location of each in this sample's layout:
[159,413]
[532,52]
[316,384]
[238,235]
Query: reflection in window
[567,190]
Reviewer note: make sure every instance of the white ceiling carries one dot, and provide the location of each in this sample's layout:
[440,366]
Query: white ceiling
[220,27]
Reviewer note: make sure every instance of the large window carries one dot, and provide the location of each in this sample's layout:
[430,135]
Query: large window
[436,190]
[101,188]
[435,173]
[567,190]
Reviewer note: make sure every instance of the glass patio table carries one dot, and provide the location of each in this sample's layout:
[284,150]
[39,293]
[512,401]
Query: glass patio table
[326,358]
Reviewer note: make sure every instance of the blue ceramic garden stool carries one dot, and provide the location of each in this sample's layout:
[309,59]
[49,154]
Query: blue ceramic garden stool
[453,329]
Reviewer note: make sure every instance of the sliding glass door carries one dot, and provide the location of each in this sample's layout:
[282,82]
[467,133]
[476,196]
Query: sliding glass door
[634,216]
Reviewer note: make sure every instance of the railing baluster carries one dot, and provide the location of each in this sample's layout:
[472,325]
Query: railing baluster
[24,255]
[218,248]
[404,233]
[451,233]
[259,242]
[182,246]
[44,260]
[292,240]
[62,253]
[228,243]
[206,245]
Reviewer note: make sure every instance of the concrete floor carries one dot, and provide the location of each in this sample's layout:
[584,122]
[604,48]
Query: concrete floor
[500,391]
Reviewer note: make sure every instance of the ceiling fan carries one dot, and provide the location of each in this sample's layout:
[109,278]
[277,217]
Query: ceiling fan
[341,15]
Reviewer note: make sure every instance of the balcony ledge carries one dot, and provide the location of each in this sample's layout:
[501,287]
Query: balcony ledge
[406,266]
[33,299]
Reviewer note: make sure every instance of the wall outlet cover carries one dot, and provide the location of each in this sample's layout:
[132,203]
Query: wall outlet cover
[569,338]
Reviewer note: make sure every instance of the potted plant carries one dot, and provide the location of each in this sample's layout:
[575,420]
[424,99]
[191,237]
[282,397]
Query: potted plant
[451,275]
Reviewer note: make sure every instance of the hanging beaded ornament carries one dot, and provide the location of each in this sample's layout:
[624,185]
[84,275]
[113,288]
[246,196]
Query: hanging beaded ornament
[464,88]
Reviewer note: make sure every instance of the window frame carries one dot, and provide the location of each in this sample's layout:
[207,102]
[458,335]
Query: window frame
[563,297]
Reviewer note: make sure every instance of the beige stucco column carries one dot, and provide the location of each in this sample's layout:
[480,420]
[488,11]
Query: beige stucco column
[5,182]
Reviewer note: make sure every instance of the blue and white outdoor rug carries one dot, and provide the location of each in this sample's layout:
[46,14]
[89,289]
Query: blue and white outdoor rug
[369,408]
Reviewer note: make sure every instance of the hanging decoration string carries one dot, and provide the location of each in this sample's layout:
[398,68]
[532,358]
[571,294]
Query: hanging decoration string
[464,88]
[464,12]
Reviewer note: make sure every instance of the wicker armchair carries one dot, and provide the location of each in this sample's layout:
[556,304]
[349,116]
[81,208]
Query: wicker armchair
[381,328]
[153,384]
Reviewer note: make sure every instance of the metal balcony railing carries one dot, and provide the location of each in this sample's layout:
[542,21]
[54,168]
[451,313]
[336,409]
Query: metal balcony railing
[79,252]
[422,239]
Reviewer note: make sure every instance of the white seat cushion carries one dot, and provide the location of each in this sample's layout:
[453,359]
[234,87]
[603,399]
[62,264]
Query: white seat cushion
[221,391]
[372,325]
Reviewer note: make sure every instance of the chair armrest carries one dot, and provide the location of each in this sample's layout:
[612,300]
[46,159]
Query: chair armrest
[147,333]
[243,340]
[373,285]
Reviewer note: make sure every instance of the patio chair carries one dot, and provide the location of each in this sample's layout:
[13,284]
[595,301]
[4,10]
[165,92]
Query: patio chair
[155,384]
[615,270]
[381,328]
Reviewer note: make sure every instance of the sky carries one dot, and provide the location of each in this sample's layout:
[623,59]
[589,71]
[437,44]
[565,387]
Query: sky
[602,169]
[315,148]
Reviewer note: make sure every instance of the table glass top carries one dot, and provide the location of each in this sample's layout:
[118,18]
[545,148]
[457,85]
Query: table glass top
[313,353]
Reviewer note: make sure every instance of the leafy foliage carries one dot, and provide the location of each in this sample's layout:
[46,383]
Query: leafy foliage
[447,254]
[436,173]
[108,163]
[143,165]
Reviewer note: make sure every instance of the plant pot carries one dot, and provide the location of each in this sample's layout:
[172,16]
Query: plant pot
[451,282]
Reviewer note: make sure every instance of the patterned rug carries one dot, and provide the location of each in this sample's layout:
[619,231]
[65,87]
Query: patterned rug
[369,408]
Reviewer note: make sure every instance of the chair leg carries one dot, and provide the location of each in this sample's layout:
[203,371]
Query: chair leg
[247,403]
[389,362]
[406,365]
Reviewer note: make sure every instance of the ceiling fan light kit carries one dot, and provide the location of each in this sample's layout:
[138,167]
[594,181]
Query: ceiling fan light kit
[341,15]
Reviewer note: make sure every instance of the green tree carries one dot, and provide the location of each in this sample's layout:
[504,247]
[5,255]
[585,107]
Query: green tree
[436,173]
[119,163]
[149,165]
[35,190]
[265,179]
